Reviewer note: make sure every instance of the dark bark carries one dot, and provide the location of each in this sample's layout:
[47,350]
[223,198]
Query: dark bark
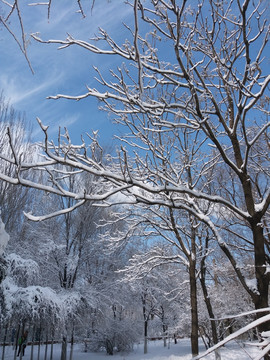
[64,349]
[71,344]
[46,347]
[109,347]
[193,294]
[4,342]
[32,343]
[146,318]
[145,350]
[16,342]
[261,300]
[192,279]
[194,309]
[208,303]
[3,266]
[51,352]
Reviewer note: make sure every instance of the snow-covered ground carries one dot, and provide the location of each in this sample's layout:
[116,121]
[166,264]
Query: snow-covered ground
[180,351]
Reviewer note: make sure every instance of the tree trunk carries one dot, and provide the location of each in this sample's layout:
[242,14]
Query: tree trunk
[46,347]
[16,342]
[260,261]
[193,294]
[194,309]
[51,353]
[22,349]
[164,338]
[145,317]
[260,295]
[109,347]
[261,301]
[164,327]
[4,342]
[64,349]
[262,278]
[39,343]
[208,303]
[2,269]
[71,345]
[145,336]
[192,280]
[32,345]
[210,311]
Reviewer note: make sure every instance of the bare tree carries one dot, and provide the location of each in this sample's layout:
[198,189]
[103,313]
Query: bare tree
[13,199]
[200,67]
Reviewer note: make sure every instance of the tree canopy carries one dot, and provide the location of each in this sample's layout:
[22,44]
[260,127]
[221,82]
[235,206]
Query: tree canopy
[191,92]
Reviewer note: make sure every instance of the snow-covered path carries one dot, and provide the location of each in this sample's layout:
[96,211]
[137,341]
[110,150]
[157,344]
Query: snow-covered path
[180,351]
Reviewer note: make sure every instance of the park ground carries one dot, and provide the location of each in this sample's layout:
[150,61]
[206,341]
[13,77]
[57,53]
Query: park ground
[156,351]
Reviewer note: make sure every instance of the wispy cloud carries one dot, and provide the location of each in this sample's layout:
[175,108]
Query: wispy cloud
[66,71]
[66,121]
[18,92]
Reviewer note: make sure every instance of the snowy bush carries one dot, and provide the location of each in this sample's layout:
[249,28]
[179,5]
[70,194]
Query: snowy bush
[117,335]
[31,303]
[23,271]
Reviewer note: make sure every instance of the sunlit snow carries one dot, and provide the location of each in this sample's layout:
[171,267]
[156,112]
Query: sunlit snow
[180,351]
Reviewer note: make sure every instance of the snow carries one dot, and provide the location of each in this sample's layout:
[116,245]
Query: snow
[233,337]
[4,237]
[156,351]
[252,284]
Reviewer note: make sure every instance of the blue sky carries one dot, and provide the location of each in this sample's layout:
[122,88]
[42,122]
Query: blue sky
[65,71]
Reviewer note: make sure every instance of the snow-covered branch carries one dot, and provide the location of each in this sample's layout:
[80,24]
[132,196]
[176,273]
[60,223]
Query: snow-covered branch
[265,344]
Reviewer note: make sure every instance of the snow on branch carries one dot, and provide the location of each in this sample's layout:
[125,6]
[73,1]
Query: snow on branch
[265,345]
[54,214]
[128,182]
[143,264]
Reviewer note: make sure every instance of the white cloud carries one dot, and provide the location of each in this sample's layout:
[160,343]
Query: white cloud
[66,71]
[18,91]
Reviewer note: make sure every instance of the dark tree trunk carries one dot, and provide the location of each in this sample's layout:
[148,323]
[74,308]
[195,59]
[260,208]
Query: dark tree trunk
[262,278]
[4,342]
[145,317]
[39,342]
[32,345]
[191,256]
[194,309]
[3,266]
[51,352]
[71,344]
[46,347]
[109,347]
[261,300]
[193,294]
[16,342]
[64,349]
[145,336]
[208,301]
